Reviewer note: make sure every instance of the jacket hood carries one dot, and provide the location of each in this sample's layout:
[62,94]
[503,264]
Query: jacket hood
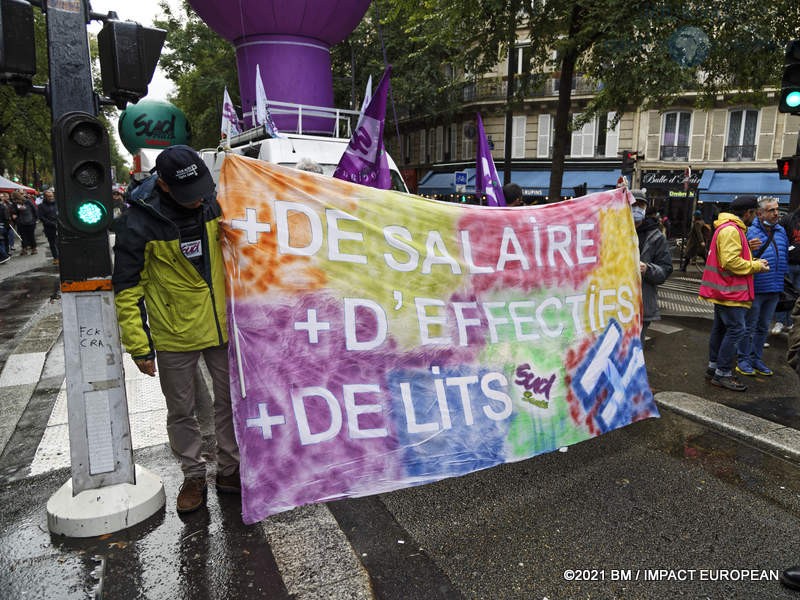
[725,217]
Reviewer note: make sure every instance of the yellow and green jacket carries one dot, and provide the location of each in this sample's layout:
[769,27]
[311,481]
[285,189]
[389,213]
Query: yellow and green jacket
[163,302]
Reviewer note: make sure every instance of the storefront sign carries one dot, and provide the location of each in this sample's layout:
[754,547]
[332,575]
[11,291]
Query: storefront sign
[673,178]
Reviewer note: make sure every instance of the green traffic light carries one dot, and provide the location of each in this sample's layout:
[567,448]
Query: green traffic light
[793,99]
[90,214]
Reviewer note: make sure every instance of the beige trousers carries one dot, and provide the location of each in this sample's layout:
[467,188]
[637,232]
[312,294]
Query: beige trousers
[177,375]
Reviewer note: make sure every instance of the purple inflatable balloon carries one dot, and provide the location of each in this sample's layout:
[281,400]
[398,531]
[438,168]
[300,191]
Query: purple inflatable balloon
[290,40]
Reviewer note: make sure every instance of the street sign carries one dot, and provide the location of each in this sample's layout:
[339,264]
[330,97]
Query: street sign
[460,178]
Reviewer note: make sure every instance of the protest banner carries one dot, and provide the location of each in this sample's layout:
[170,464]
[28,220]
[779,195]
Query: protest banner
[381,340]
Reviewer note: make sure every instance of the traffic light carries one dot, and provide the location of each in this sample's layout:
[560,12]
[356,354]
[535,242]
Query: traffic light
[629,159]
[83,174]
[129,54]
[790,83]
[17,47]
[789,168]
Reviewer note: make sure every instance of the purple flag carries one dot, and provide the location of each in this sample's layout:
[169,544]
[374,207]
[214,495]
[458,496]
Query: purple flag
[486,180]
[364,161]
[261,113]
[230,120]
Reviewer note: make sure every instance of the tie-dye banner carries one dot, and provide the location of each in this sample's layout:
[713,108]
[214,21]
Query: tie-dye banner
[381,340]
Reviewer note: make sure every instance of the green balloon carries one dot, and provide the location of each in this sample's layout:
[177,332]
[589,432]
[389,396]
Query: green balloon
[153,124]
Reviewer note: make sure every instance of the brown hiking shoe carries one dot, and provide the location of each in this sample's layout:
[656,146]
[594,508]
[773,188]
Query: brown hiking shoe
[229,484]
[192,494]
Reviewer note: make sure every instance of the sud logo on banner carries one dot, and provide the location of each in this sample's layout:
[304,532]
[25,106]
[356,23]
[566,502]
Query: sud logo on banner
[381,340]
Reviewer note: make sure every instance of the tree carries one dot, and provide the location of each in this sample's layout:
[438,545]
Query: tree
[201,64]
[25,122]
[423,77]
[631,49]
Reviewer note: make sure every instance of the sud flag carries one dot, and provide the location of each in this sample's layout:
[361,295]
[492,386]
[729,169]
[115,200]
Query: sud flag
[230,120]
[486,180]
[365,161]
[261,114]
[366,101]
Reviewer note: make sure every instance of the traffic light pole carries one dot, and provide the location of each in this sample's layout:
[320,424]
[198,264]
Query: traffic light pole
[107,492]
[794,198]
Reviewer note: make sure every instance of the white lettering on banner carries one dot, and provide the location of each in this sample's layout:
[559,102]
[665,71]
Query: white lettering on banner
[351,307]
[336,235]
[510,238]
[298,403]
[397,236]
[251,225]
[486,392]
[436,254]
[312,326]
[282,210]
[353,410]
[265,421]
[301,232]
[440,323]
[466,248]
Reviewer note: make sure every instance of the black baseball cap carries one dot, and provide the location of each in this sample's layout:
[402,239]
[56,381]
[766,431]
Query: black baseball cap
[744,203]
[187,176]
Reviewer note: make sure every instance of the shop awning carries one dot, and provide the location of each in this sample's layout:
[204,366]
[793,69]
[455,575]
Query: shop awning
[533,183]
[724,186]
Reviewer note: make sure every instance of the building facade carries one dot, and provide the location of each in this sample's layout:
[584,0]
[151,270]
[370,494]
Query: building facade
[688,158]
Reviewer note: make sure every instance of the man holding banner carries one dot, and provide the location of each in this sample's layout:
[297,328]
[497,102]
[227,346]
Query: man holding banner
[169,286]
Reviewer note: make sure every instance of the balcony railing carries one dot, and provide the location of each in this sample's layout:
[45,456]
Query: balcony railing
[738,153]
[495,88]
[674,152]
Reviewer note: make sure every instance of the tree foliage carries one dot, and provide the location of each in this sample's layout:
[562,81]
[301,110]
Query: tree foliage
[634,50]
[201,64]
[383,38]
[26,123]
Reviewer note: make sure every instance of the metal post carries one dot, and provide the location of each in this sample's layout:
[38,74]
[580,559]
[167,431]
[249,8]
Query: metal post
[101,452]
[794,198]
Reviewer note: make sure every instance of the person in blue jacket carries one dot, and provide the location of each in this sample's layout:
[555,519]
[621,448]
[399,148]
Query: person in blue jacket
[767,285]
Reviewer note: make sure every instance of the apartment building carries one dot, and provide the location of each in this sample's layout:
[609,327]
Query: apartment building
[687,158]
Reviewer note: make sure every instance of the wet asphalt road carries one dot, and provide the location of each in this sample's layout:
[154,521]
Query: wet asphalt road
[660,494]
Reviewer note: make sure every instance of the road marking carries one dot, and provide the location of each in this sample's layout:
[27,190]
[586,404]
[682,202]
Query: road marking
[663,328]
[22,369]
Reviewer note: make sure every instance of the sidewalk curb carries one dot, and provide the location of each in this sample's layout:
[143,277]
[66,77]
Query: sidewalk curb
[315,558]
[771,437]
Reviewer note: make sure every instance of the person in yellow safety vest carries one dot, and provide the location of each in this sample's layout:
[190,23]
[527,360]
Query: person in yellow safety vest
[728,284]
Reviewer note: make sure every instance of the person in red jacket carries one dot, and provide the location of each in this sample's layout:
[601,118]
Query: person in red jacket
[728,284]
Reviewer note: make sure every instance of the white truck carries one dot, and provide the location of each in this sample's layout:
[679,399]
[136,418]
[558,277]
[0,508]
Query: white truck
[288,149]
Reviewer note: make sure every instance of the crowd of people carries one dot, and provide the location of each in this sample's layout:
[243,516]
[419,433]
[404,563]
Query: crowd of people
[749,276]
[750,258]
[21,212]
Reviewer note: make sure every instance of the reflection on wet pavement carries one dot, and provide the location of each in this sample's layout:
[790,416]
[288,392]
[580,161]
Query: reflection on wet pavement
[21,296]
